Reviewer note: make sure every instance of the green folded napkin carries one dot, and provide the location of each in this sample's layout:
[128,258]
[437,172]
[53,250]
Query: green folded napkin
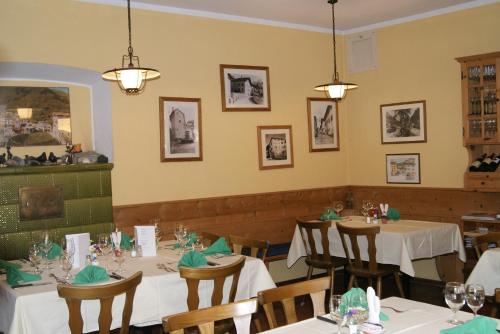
[91,274]
[16,276]
[218,247]
[355,297]
[329,214]
[6,265]
[478,325]
[54,252]
[192,259]
[393,214]
[126,242]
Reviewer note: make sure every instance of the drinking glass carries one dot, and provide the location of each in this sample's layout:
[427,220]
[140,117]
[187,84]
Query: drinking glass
[475,297]
[68,246]
[335,301]
[454,295]
[119,258]
[104,243]
[66,261]
[46,245]
[35,257]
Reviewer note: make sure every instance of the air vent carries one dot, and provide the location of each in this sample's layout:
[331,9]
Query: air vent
[362,52]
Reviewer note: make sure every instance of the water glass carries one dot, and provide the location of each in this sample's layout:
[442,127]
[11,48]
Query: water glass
[35,257]
[104,243]
[46,245]
[475,297]
[454,295]
[68,246]
[335,301]
[119,258]
[66,261]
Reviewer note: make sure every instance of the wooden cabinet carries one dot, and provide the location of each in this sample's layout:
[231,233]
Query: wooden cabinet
[481,116]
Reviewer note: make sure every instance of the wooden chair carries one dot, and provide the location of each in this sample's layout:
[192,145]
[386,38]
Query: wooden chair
[356,267]
[257,247]
[285,294]
[314,258]
[218,275]
[205,318]
[210,237]
[105,293]
[482,242]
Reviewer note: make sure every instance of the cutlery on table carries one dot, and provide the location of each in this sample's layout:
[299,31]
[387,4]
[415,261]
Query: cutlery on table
[16,286]
[116,276]
[395,310]
[326,318]
[166,268]
[58,279]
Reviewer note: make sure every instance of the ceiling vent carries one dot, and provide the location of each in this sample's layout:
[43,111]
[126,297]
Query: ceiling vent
[362,52]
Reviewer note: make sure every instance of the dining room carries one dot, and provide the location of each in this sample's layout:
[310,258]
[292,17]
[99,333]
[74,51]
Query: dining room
[348,141]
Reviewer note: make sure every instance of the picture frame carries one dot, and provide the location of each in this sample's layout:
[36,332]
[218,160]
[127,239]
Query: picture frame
[403,122]
[245,88]
[322,120]
[403,168]
[180,129]
[275,146]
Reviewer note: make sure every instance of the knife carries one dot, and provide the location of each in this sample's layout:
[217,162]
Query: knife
[210,263]
[15,286]
[327,319]
[116,276]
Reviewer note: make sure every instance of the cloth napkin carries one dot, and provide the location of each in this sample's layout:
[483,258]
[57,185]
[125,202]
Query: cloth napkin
[16,276]
[354,293]
[126,242]
[192,259]
[54,252]
[478,325]
[329,215]
[6,265]
[91,274]
[218,247]
[393,214]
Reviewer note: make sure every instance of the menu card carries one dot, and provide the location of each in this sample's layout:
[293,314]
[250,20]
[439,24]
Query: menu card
[82,245]
[145,237]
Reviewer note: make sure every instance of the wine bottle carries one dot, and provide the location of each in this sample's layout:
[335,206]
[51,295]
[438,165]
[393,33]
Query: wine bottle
[485,164]
[494,163]
[474,167]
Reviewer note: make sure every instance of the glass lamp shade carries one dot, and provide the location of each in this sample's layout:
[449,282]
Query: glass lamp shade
[131,80]
[24,113]
[336,90]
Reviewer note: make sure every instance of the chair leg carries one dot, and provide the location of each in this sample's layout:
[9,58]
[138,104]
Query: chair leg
[379,287]
[398,283]
[351,281]
[332,281]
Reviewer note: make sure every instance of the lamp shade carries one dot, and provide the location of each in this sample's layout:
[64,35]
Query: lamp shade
[24,113]
[336,90]
[131,79]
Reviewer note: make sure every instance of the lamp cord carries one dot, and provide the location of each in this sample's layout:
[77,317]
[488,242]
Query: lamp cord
[130,49]
[335,74]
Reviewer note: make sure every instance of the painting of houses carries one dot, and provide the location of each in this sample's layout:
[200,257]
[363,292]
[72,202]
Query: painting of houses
[403,168]
[34,116]
[323,132]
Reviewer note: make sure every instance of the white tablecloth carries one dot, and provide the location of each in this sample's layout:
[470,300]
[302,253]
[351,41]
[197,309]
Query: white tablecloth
[40,310]
[420,318]
[487,271]
[399,242]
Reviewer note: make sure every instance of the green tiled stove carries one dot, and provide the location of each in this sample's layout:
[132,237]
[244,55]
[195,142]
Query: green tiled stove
[86,191]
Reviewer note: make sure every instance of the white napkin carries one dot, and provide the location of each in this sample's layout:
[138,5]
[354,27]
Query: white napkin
[384,208]
[373,306]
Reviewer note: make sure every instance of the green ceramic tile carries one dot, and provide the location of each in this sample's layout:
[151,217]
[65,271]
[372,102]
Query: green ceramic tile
[16,245]
[35,180]
[9,188]
[77,212]
[69,182]
[2,247]
[106,183]
[89,184]
[9,216]
[101,210]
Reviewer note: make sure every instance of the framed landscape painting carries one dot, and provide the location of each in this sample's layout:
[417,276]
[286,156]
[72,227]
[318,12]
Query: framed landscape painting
[323,124]
[245,88]
[180,129]
[275,146]
[403,168]
[34,116]
[403,122]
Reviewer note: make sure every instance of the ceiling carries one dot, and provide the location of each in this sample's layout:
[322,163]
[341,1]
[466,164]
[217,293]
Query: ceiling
[351,15]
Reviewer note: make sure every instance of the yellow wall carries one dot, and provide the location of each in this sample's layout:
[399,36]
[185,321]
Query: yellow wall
[417,62]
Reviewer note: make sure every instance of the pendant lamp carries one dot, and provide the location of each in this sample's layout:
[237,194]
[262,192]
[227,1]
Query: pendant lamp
[131,78]
[337,89]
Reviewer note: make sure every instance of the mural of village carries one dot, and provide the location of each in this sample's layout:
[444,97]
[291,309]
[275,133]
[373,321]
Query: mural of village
[403,123]
[245,89]
[34,116]
[403,168]
[182,131]
[323,125]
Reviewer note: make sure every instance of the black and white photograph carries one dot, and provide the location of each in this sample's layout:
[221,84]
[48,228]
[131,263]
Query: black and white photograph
[403,122]
[403,168]
[180,129]
[245,88]
[323,125]
[34,116]
[275,146]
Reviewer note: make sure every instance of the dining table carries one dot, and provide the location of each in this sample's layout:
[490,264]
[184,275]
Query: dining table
[405,316]
[487,271]
[398,243]
[39,309]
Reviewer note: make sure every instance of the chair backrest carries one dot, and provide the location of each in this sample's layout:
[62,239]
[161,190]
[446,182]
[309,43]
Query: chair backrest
[353,232]
[193,277]
[285,294]
[210,237]
[105,293]
[482,242]
[257,247]
[205,318]
[306,230]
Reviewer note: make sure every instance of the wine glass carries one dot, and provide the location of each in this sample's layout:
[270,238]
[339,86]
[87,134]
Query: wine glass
[104,243]
[338,207]
[475,297]
[46,245]
[35,257]
[66,260]
[68,246]
[454,295]
[335,301]
[119,258]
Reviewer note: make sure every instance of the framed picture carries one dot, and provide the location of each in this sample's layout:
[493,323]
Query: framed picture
[180,129]
[403,168]
[403,122]
[275,146]
[323,124]
[245,88]
[34,116]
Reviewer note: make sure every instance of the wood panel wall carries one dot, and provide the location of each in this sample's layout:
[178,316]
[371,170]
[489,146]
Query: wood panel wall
[271,216]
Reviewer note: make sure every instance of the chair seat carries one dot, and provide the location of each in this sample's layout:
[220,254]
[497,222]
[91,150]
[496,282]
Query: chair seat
[334,262]
[382,270]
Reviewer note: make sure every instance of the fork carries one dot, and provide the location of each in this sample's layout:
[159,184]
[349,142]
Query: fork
[395,310]
[58,279]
